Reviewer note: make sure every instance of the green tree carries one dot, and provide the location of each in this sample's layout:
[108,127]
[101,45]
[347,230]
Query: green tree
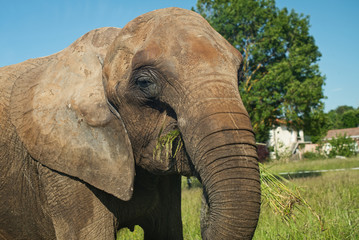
[350,119]
[334,120]
[281,77]
[343,117]
[342,109]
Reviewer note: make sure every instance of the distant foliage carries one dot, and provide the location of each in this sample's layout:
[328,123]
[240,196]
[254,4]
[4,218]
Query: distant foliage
[280,77]
[342,146]
[343,117]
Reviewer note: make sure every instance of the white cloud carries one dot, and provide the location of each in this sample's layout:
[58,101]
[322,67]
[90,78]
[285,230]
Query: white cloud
[337,90]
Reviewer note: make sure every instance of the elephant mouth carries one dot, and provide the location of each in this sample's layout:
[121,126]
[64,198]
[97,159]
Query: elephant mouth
[166,153]
[170,150]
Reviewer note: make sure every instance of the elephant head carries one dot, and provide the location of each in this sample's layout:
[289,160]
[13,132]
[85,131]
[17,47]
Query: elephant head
[165,70]
[172,69]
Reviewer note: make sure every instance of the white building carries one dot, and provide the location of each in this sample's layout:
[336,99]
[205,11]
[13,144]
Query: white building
[283,140]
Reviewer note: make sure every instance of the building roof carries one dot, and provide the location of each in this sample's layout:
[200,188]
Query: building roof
[352,132]
[279,121]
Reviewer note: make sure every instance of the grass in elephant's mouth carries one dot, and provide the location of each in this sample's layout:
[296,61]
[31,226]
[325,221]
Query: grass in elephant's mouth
[166,143]
[333,195]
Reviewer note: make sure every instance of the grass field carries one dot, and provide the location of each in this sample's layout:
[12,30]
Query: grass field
[304,165]
[334,196]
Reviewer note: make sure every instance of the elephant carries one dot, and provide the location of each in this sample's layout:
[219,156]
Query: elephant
[79,130]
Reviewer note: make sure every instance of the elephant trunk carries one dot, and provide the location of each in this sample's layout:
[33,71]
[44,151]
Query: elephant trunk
[231,192]
[222,148]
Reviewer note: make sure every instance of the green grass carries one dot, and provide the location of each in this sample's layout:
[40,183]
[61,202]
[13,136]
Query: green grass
[191,206]
[126,234]
[306,165]
[334,196]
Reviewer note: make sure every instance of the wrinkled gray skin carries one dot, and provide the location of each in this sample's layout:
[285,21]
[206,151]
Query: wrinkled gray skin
[78,129]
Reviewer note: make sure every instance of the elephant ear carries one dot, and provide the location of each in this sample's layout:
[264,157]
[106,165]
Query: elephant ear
[61,115]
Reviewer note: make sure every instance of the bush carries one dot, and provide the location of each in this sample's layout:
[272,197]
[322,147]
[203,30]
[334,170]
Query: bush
[342,146]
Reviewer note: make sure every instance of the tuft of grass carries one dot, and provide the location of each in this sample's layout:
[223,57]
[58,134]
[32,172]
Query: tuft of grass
[282,196]
[166,143]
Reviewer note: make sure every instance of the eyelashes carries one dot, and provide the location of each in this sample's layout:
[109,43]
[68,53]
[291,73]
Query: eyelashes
[146,81]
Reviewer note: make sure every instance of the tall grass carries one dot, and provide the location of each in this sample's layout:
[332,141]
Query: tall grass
[191,205]
[334,196]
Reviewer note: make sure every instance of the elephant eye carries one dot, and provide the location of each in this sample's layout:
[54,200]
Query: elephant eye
[143,82]
[147,85]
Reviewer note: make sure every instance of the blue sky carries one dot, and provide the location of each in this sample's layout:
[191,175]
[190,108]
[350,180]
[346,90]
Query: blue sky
[37,28]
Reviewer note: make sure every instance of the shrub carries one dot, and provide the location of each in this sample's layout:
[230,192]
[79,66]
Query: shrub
[342,146]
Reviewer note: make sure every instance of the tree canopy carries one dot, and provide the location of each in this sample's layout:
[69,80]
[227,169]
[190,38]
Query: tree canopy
[343,117]
[280,76]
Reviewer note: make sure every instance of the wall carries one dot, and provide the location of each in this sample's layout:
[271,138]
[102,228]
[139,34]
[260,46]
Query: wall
[283,140]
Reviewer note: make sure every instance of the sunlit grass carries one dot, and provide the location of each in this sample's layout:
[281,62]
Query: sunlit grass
[333,195]
[191,205]
[126,234]
[283,197]
[307,165]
